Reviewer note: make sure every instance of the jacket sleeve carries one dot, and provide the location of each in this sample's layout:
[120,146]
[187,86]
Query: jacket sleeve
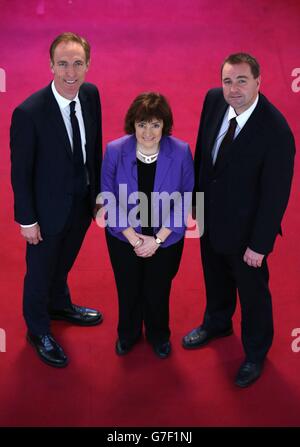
[98,148]
[198,151]
[116,214]
[276,179]
[23,151]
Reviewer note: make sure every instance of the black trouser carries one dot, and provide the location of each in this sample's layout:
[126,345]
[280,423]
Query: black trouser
[224,276]
[144,286]
[48,264]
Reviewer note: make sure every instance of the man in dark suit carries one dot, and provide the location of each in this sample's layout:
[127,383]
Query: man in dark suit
[244,164]
[56,152]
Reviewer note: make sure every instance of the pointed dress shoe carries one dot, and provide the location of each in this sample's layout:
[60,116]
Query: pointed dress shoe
[48,350]
[248,373]
[123,347]
[82,316]
[200,337]
[162,350]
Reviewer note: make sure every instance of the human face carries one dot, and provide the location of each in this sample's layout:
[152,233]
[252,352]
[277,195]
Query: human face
[69,68]
[240,88]
[148,134]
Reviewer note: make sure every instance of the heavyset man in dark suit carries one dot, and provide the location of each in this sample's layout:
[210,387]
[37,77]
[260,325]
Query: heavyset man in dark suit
[56,152]
[244,164]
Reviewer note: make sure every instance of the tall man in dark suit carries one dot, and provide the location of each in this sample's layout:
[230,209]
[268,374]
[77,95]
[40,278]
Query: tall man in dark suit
[244,164]
[56,152]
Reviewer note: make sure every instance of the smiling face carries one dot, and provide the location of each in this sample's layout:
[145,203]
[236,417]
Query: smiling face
[69,68]
[148,134]
[240,88]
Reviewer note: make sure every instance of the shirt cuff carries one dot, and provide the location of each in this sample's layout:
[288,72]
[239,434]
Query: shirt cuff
[28,226]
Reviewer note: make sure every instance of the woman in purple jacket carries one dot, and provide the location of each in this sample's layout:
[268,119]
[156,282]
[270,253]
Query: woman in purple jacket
[147,182]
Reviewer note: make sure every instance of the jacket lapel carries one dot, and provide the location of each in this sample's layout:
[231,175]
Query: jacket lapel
[164,161]
[57,121]
[129,163]
[88,123]
[213,133]
[248,132]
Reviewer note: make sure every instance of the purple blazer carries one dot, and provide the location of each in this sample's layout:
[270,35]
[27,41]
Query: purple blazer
[174,174]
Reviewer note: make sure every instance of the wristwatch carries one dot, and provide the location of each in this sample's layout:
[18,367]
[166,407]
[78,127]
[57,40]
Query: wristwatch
[158,240]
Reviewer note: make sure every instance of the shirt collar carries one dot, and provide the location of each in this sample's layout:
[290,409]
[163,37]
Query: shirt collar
[243,117]
[62,101]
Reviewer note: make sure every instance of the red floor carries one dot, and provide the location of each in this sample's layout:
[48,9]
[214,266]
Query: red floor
[175,47]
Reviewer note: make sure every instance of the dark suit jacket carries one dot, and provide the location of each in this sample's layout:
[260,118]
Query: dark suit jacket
[246,196]
[42,170]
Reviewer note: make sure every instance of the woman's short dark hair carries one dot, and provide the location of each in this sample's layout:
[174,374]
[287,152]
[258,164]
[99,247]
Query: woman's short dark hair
[148,106]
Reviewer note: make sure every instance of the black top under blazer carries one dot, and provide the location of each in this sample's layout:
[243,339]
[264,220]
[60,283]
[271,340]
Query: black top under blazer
[246,196]
[42,169]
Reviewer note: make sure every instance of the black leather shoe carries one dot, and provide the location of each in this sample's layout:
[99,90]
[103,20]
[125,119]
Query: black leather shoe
[248,373]
[123,347]
[82,316]
[48,350]
[163,350]
[200,337]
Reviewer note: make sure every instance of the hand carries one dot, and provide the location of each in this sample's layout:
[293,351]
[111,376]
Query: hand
[148,247]
[252,258]
[32,235]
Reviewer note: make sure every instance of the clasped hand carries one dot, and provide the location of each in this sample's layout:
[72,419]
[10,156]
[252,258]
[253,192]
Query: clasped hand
[147,248]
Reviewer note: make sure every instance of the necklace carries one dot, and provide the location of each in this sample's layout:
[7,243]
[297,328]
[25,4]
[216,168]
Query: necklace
[147,158]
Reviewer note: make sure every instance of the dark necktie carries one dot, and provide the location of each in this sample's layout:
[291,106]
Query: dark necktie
[226,142]
[80,175]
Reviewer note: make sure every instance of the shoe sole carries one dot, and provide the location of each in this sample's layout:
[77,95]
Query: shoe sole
[162,357]
[77,323]
[226,334]
[43,359]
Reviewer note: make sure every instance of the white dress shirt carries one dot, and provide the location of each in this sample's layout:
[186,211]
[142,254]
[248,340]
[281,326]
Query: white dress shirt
[64,106]
[241,121]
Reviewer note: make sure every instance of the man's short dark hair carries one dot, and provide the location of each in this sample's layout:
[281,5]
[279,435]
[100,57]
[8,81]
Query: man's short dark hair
[148,106]
[70,37]
[239,58]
